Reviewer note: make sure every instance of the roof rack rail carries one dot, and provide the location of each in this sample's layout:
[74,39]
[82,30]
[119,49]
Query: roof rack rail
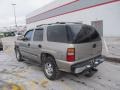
[60,23]
[75,22]
[68,22]
[51,24]
[42,25]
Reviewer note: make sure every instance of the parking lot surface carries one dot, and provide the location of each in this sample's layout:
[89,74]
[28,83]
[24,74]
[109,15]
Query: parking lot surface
[30,77]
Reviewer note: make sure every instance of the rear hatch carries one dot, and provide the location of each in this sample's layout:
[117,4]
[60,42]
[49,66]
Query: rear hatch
[86,40]
[88,50]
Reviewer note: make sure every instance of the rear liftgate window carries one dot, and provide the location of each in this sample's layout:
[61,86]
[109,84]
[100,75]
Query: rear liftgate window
[84,34]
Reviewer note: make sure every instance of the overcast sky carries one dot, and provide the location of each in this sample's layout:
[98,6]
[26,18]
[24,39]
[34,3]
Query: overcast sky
[23,7]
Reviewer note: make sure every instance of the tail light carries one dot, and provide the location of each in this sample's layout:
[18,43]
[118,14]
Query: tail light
[70,54]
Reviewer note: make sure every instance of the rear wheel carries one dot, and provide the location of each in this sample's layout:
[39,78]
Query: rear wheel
[18,55]
[50,68]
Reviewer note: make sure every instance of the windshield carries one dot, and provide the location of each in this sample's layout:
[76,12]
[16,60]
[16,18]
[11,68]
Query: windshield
[7,34]
[1,35]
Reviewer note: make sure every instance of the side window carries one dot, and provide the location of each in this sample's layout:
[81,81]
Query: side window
[28,35]
[38,35]
[57,34]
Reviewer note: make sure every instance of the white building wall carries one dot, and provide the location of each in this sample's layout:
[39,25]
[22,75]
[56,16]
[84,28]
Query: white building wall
[49,7]
[109,13]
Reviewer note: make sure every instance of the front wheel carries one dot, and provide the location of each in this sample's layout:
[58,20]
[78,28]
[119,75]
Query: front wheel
[50,68]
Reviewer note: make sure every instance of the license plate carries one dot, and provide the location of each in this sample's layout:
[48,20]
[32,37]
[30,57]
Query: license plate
[79,70]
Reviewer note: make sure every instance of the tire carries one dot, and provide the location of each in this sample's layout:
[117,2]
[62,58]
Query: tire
[18,55]
[50,68]
[1,49]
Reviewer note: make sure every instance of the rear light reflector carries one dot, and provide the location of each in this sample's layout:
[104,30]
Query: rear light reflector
[70,54]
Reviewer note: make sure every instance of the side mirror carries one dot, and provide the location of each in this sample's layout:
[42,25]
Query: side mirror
[20,37]
[25,39]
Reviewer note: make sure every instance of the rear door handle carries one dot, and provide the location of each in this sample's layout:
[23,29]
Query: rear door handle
[39,46]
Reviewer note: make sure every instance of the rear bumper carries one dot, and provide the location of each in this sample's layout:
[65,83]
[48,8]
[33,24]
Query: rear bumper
[80,67]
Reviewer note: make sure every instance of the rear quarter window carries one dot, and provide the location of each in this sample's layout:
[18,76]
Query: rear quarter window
[57,33]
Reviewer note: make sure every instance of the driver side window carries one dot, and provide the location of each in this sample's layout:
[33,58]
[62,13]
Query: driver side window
[29,34]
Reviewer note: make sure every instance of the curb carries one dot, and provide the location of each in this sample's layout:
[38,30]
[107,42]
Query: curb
[112,59]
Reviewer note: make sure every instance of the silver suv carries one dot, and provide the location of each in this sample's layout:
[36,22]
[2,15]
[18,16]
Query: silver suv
[69,47]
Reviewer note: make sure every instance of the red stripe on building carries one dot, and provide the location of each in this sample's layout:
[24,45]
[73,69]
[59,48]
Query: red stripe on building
[57,7]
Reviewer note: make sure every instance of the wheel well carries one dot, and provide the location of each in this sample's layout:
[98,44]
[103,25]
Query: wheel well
[44,55]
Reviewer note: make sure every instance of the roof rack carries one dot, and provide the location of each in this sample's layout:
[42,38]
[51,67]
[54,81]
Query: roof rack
[49,24]
[42,25]
[68,22]
[75,22]
[60,23]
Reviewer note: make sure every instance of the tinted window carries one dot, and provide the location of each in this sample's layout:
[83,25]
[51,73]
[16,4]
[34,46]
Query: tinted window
[87,34]
[72,30]
[72,34]
[28,35]
[57,33]
[38,35]
[1,35]
[7,34]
